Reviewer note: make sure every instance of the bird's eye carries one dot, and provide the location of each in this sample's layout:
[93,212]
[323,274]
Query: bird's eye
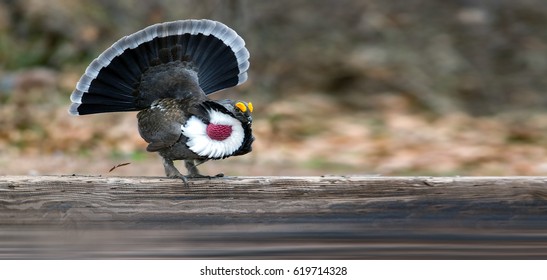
[242,107]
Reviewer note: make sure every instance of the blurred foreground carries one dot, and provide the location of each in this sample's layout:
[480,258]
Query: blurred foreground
[345,87]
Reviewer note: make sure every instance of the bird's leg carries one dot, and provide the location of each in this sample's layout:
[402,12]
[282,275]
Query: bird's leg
[193,171]
[171,171]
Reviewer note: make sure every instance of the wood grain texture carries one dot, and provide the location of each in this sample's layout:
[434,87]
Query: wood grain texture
[274,217]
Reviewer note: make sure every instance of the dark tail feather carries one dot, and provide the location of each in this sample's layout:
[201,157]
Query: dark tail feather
[111,81]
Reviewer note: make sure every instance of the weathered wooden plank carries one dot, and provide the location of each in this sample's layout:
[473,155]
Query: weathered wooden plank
[273,217]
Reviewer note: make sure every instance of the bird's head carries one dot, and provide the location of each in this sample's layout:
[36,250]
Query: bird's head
[240,109]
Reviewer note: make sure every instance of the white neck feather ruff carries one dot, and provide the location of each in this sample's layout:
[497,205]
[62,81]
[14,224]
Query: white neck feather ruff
[200,143]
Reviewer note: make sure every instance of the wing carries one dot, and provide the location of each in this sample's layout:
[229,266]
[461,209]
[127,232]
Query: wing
[160,124]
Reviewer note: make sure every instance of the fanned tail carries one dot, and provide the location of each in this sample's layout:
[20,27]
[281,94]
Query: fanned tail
[110,83]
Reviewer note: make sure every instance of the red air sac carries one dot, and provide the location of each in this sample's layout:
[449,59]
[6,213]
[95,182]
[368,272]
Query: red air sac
[219,132]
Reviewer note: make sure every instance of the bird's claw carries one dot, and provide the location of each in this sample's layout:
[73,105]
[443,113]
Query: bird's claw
[194,176]
[199,176]
[181,177]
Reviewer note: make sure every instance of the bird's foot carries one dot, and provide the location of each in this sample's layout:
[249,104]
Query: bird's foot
[172,172]
[179,176]
[199,176]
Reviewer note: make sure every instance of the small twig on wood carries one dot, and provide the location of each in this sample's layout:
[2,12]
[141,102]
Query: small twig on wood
[119,165]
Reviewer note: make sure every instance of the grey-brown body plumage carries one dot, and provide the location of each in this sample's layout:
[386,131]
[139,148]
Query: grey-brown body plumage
[166,72]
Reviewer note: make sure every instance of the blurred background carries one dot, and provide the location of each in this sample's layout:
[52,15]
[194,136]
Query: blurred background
[404,87]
